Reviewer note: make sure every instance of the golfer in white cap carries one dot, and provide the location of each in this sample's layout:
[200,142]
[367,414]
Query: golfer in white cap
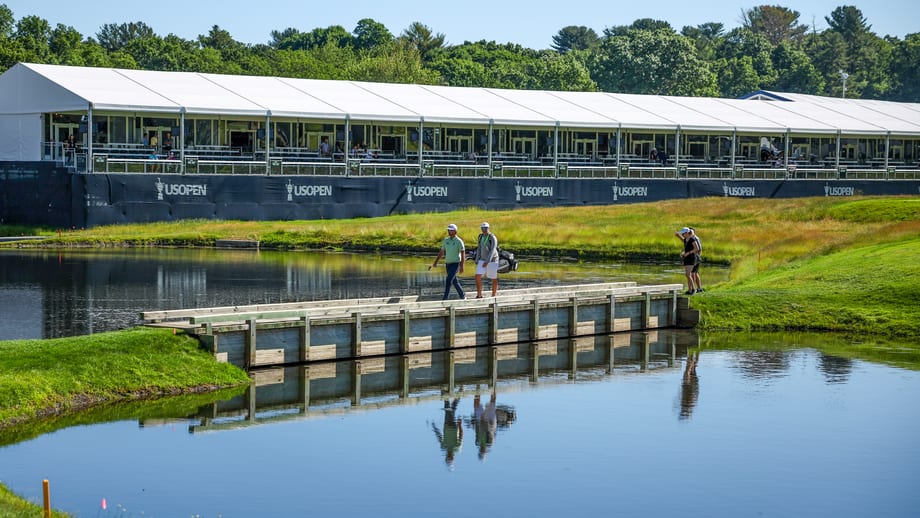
[454,253]
[690,257]
[486,259]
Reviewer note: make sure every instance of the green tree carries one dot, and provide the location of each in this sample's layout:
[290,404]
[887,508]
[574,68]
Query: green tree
[7,21]
[745,63]
[279,36]
[506,64]
[112,36]
[319,37]
[34,34]
[795,71]
[865,58]
[905,69]
[706,38]
[574,37]
[645,62]
[425,42]
[370,34]
[777,24]
[737,76]
[65,45]
[559,72]
[395,62]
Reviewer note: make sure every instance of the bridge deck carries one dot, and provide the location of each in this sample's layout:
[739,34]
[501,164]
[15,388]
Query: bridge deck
[279,334]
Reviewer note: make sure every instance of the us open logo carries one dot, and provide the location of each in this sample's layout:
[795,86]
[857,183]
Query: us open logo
[425,191]
[307,191]
[180,189]
[532,191]
[738,191]
[839,190]
[629,191]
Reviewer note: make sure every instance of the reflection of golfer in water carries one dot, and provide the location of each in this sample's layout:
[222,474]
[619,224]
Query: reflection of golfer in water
[689,385]
[485,419]
[451,437]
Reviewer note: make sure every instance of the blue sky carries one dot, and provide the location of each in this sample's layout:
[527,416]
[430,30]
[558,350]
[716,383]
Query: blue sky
[531,24]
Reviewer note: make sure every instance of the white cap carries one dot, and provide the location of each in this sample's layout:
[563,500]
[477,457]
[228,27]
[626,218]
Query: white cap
[485,224]
[452,227]
[684,230]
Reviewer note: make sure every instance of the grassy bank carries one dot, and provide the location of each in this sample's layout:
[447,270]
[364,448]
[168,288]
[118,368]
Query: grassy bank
[45,378]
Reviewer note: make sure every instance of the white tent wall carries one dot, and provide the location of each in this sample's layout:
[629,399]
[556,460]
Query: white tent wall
[20,137]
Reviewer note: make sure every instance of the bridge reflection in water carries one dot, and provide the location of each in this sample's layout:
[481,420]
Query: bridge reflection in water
[325,388]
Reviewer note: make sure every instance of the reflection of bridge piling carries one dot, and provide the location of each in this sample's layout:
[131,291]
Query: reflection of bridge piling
[280,334]
[324,388]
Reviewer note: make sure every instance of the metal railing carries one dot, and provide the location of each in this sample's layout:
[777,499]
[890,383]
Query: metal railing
[353,167]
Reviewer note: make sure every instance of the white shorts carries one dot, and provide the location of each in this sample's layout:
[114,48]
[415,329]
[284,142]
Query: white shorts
[490,270]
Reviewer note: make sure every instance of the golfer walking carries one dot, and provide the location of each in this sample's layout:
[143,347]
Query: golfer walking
[453,252]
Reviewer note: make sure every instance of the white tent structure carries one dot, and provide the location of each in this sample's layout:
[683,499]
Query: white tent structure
[29,92]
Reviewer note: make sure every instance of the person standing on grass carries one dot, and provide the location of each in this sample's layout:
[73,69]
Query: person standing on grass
[454,253]
[699,259]
[486,260]
[690,256]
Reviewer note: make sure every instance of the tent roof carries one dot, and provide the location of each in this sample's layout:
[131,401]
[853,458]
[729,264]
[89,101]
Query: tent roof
[34,88]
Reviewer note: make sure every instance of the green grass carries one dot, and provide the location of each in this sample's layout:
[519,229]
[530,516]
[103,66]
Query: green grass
[48,377]
[872,289]
[12,506]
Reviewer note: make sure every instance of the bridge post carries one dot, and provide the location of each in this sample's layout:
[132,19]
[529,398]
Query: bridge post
[672,316]
[450,327]
[493,324]
[251,343]
[573,316]
[611,313]
[646,310]
[304,338]
[404,332]
[356,334]
[535,320]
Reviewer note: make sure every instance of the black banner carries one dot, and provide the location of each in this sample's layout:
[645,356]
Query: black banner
[47,195]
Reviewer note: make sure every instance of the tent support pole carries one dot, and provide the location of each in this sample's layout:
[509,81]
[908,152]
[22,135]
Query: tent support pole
[89,138]
[182,139]
[268,142]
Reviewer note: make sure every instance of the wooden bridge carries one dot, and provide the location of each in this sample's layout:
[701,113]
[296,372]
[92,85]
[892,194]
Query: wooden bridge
[290,333]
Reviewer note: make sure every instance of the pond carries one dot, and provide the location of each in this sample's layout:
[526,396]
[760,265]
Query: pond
[640,424]
[658,423]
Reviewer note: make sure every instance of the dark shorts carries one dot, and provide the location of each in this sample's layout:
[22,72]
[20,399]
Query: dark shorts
[690,260]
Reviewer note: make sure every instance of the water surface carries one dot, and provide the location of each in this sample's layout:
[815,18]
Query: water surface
[784,431]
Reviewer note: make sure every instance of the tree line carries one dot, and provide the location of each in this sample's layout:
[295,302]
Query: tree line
[771,50]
